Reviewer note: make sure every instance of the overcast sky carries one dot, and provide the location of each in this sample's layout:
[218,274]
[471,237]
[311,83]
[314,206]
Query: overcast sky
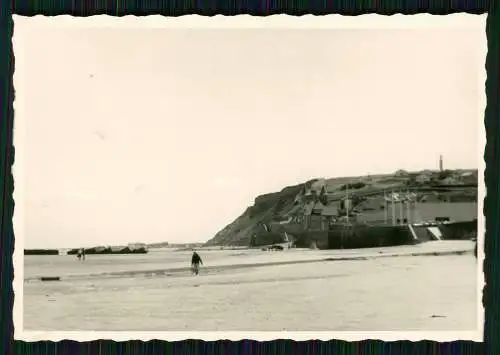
[169,134]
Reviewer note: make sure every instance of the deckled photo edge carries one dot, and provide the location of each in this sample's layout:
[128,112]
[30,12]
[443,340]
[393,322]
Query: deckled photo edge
[245,21]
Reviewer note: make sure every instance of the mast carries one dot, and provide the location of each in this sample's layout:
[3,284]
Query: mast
[408,205]
[347,202]
[385,208]
[393,208]
[401,216]
[415,209]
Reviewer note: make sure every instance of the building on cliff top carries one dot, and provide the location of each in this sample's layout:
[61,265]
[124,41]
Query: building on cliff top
[318,185]
[401,173]
[423,178]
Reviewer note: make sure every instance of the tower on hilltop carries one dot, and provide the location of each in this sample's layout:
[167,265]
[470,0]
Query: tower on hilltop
[440,163]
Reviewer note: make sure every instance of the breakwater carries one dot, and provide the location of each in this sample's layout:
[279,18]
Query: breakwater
[93,251]
[41,252]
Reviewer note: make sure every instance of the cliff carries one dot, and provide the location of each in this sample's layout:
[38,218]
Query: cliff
[266,208]
[458,185]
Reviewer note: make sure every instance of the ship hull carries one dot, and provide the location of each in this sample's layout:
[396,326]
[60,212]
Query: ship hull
[363,236]
[355,237]
[369,236]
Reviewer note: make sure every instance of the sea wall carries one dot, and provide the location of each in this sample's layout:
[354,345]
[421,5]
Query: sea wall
[354,237]
[361,236]
[458,231]
[449,231]
[365,236]
[41,252]
[307,239]
[261,239]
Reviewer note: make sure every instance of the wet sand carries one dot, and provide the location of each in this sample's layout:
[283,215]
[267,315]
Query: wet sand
[391,293]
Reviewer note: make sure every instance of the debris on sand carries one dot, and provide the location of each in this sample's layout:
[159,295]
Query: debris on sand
[50,278]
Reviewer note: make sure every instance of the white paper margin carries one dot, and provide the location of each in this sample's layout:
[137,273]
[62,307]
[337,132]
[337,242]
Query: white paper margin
[242,21]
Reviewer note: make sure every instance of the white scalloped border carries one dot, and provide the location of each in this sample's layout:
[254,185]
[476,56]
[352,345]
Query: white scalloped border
[245,21]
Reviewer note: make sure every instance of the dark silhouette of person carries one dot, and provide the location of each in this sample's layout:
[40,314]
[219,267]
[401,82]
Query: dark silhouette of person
[80,254]
[195,263]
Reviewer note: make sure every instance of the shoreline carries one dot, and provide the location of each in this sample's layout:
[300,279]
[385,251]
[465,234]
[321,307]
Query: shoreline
[178,271]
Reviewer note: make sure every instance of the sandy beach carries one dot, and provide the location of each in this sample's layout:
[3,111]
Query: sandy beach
[156,291]
[292,131]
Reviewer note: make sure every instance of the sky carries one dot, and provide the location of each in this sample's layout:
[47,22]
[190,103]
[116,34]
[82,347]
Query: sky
[168,134]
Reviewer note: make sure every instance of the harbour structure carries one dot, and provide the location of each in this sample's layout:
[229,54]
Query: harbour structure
[372,219]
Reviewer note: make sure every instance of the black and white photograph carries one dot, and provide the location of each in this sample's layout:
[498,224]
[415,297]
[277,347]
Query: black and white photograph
[279,177]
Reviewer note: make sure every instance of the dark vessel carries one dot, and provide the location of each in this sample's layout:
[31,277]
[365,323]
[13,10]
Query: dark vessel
[41,252]
[358,235]
[107,250]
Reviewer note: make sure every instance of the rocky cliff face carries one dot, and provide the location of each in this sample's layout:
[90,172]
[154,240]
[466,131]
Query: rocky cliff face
[266,208]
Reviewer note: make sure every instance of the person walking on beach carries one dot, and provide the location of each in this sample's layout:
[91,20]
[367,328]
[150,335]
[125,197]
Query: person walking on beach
[195,263]
[81,254]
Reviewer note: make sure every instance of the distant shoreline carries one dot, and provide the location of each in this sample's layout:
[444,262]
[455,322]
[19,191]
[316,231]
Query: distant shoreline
[65,251]
[304,256]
